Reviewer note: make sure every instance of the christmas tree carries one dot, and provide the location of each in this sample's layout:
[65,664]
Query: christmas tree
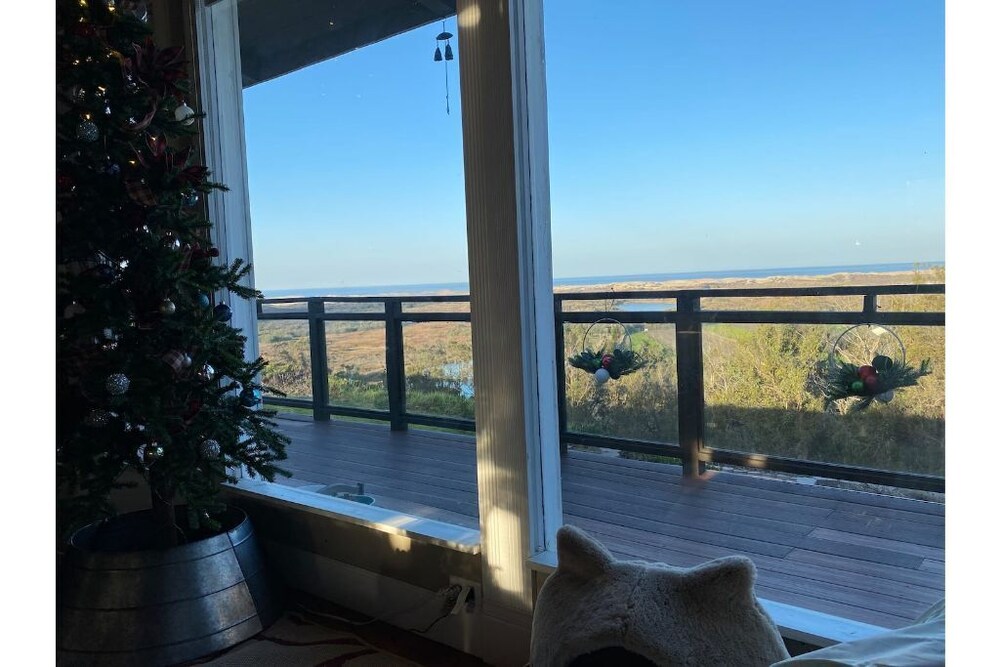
[150,374]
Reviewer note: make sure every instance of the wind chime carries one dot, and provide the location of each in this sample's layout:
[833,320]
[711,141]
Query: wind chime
[444,36]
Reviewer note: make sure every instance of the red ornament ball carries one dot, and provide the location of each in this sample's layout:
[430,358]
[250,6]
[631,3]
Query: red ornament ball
[871,382]
[607,360]
[866,371]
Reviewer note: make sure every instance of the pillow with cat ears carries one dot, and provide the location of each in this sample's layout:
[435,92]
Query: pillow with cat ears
[705,615]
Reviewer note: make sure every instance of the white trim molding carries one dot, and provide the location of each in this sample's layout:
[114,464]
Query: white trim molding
[217,32]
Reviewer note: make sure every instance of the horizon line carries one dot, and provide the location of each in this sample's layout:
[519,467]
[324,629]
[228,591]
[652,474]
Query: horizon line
[625,277]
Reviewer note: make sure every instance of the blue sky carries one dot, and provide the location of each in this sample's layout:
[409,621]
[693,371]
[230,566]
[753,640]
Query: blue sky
[683,136]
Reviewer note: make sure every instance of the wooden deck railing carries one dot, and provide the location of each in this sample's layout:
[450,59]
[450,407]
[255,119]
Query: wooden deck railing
[688,319]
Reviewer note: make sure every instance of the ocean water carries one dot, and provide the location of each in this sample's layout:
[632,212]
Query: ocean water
[583,281]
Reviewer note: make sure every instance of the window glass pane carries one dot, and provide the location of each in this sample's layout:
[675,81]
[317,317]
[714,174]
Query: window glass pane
[355,163]
[764,173]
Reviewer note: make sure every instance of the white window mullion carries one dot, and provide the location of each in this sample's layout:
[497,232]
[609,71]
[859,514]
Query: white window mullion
[510,283]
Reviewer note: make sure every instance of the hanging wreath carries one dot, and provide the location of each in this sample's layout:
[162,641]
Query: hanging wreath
[604,364]
[865,370]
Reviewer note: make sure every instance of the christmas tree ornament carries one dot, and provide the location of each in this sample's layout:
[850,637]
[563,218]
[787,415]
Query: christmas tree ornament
[184,114]
[871,383]
[78,94]
[187,361]
[171,242]
[223,313]
[866,371]
[882,363]
[110,341]
[206,373]
[885,396]
[601,375]
[167,307]
[857,386]
[189,198]
[204,301]
[117,384]
[149,453]
[113,170]
[140,11]
[97,418]
[250,397]
[174,359]
[211,449]
[87,131]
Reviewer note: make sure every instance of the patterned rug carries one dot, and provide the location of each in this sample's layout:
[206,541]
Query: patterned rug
[294,641]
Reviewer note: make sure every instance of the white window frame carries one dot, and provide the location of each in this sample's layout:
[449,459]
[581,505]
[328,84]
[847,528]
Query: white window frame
[520,513]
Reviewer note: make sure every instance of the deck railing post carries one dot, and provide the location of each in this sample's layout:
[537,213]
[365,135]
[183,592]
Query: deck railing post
[690,385]
[395,370]
[561,373]
[318,361]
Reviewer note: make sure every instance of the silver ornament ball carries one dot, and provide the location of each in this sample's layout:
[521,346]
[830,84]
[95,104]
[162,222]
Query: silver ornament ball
[210,449]
[206,373]
[167,307]
[885,396]
[601,376]
[87,131]
[184,114]
[117,384]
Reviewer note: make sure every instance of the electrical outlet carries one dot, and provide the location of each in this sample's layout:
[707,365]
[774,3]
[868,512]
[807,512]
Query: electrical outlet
[467,601]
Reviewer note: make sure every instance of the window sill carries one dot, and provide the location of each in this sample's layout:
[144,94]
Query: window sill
[381,519]
[804,625]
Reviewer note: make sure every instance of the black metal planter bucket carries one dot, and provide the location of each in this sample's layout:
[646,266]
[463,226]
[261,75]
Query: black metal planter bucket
[162,607]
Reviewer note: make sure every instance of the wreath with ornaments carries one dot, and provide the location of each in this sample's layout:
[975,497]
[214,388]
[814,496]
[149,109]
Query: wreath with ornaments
[859,384]
[606,364]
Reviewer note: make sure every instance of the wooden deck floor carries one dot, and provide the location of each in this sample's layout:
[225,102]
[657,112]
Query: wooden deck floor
[861,556]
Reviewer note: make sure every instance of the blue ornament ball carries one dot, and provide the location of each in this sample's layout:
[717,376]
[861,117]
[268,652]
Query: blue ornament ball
[223,313]
[250,397]
[204,301]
